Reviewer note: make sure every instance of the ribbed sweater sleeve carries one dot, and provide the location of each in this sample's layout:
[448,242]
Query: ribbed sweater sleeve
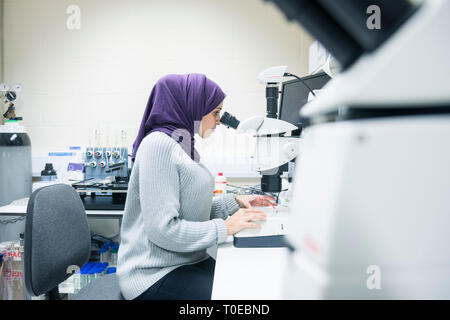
[224,206]
[159,193]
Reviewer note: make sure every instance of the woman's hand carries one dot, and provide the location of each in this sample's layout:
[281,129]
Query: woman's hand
[254,200]
[242,219]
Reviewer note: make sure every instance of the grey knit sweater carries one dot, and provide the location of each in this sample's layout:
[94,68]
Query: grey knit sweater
[170,217]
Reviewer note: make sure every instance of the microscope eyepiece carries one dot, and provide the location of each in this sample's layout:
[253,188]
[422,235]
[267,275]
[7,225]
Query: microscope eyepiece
[229,120]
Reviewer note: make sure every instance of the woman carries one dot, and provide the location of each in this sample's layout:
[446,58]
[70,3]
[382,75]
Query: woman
[170,217]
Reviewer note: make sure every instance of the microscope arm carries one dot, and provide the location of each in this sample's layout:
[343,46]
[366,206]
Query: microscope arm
[265,126]
[273,152]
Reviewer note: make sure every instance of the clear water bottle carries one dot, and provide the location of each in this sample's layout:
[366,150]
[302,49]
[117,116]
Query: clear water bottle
[220,185]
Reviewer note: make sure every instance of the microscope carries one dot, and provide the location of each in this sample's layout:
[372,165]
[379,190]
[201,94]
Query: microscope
[370,211]
[274,150]
[274,154]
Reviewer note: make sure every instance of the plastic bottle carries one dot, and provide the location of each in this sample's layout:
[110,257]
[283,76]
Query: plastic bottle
[81,282]
[76,282]
[107,254]
[48,174]
[84,274]
[114,250]
[220,183]
[98,270]
[103,254]
[91,275]
[76,164]
[104,267]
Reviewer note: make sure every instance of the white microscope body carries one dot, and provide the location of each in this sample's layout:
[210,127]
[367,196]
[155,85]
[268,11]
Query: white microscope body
[370,215]
[270,153]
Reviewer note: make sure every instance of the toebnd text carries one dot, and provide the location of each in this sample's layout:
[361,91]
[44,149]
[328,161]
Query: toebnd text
[233,309]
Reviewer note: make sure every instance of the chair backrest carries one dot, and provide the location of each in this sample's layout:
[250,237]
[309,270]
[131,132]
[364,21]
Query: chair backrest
[57,237]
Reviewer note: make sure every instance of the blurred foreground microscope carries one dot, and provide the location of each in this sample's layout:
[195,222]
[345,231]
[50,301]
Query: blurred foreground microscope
[369,215]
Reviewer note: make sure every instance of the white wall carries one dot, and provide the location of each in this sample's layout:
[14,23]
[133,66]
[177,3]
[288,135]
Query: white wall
[100,76]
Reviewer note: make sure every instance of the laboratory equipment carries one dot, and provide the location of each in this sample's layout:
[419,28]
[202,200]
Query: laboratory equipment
[369,215]
[11,278]
[273,148]
[106,176]
[48,174]
[295,96]
[103,194]
[276,153]
[344,27]
[8,97]
[75,167]
[271,232]
[15,163]
[15,151]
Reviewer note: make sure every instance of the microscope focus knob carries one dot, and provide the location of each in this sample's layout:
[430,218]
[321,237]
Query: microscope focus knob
[290,150]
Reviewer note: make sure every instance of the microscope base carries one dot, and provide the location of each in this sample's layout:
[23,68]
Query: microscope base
[269,235]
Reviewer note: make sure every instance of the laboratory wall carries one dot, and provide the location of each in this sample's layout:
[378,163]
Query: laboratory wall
[90,65]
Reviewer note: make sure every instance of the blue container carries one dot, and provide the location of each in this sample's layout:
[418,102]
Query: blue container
[111,270]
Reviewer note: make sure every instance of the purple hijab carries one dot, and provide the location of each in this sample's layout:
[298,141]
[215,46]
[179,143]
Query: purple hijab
[176,107]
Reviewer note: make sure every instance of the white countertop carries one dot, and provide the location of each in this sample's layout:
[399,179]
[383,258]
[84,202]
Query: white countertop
[19,208]
[248,273]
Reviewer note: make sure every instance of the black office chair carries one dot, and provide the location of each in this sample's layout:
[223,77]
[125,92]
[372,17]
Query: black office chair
[57,240]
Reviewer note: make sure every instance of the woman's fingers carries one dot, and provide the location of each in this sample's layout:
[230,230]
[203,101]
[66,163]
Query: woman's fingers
[250,211]
[244,218]
[255,216]
[264,201]
[252,225]
[253,211]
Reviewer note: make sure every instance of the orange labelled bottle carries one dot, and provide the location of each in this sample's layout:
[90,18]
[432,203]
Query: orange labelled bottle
[220,185]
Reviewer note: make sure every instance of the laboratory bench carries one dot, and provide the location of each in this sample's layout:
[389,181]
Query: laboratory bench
[18,208]
[240,273]
[248,273]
